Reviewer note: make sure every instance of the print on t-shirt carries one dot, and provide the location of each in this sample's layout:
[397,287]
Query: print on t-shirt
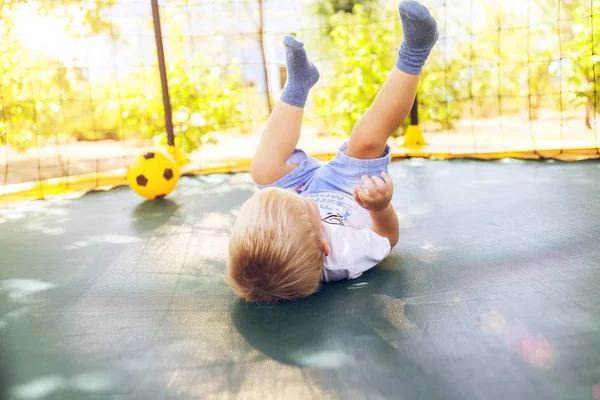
[353,247]
[341,210]
[335,219]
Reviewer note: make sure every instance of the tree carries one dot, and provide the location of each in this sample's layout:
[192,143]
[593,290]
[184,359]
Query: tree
[41,98]
[328,8]
[583,66]
[205,98]
[33,87]
[363,61]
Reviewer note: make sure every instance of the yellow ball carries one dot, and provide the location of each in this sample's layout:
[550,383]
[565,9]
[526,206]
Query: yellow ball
[153,175]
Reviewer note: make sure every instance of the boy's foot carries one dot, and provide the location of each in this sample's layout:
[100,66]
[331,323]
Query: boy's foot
[420,35]
[301,73]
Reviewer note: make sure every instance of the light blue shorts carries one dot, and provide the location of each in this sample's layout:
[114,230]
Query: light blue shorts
[339,175]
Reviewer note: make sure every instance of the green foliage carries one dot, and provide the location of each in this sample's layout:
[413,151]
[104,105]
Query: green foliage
[507,65]
[47,101]
[367,52]
[35,88]
[487,71]
[204,100]
[80,20]
[366,62]
[583,68]
[329,8]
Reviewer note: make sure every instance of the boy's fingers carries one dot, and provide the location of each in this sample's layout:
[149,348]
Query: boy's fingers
[359,193]
[356,197]
[387,178]
[368,183]
[379,182]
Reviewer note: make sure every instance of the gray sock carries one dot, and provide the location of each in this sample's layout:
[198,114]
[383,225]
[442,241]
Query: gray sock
[301,73]
[420,35]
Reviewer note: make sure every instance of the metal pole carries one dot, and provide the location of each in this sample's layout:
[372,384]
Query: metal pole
[414,113]
[163,74]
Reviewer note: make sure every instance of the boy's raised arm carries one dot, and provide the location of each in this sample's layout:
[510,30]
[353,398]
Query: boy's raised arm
[385,223]
[375,195]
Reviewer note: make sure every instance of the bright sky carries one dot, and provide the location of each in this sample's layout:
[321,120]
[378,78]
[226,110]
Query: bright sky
[46,33]
[43,33]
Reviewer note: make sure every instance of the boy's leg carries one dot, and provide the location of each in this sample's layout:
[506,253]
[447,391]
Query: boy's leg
[395,98]
[282,131]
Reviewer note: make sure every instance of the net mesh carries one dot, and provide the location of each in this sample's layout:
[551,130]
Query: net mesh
[80,91]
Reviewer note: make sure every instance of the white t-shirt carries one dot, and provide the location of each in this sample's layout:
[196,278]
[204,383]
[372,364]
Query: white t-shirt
[353,246]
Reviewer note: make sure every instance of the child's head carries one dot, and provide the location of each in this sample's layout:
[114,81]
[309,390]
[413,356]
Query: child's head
[276,247]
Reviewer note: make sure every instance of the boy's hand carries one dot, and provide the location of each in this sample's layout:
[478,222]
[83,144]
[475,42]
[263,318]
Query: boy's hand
[378,195]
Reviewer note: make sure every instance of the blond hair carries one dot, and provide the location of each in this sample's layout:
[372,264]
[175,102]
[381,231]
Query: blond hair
[275,249]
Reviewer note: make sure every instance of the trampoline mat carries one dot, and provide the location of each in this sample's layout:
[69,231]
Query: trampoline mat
[493,292]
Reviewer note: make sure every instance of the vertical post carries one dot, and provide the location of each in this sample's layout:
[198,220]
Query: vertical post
[413,136]
[261,41]
[414,112]
[163,74]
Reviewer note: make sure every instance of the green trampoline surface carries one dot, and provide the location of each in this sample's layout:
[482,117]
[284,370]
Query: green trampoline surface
[492,293]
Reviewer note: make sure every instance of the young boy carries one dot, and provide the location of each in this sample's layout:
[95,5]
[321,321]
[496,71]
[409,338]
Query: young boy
[311,222]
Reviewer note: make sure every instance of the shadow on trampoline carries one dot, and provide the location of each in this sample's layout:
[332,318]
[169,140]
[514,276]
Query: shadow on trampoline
[347,338]
[151,214]
[4,367]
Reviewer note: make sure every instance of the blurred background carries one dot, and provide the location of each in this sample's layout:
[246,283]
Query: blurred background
[80,92]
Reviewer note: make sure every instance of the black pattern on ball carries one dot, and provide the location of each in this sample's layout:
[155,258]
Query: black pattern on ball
[148,156]
[160,196]
[141,180]
[168,174]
